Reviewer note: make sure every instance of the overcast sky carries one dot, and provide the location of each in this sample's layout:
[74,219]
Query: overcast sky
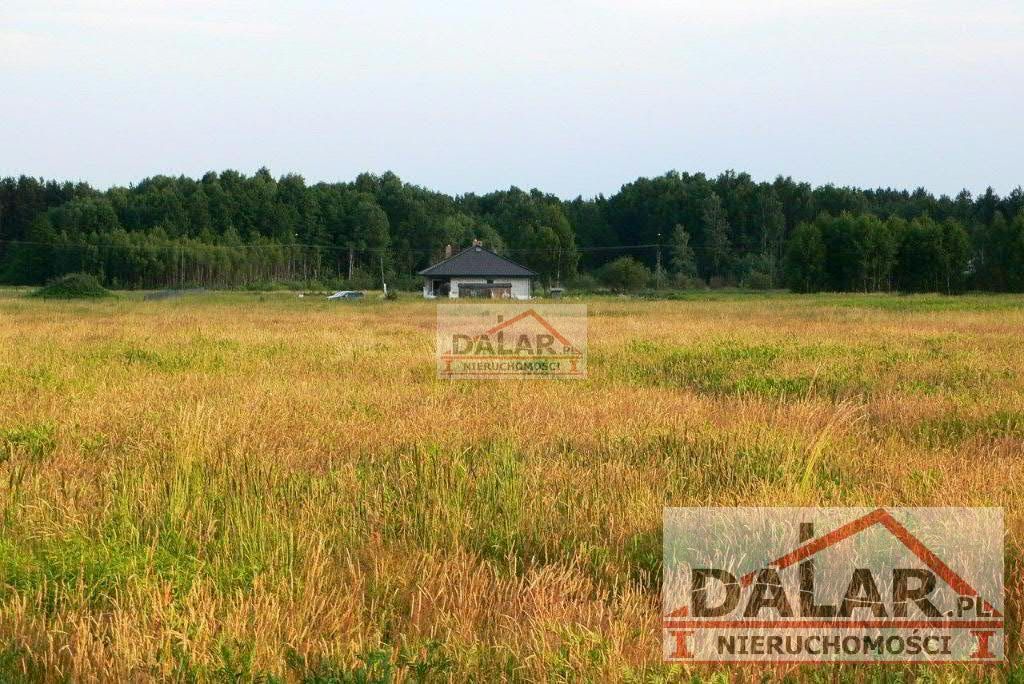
[573,97]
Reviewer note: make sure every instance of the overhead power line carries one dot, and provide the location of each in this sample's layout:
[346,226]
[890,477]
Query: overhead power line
[335,248]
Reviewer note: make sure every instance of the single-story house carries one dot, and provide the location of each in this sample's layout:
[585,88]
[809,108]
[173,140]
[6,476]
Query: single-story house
[477,272]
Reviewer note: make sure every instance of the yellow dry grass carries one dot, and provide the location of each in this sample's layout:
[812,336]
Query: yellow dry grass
[239,486]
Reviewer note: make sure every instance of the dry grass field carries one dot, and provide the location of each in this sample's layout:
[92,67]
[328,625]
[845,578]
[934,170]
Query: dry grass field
[238,487]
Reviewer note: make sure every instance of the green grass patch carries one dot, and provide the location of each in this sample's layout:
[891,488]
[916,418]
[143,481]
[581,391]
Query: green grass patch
[70,571]
[34,442]
[18,665]
[918,303]
[953,429]
[727,367]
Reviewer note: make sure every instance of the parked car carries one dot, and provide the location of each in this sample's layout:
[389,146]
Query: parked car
[347,294]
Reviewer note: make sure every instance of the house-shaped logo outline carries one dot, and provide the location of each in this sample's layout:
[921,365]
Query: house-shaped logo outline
[879,516]
[540,319]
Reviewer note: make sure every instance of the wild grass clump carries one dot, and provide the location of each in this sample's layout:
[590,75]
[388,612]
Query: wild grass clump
[34,442]
[73,286]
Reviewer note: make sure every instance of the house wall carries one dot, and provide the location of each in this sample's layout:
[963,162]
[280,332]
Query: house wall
[520,286]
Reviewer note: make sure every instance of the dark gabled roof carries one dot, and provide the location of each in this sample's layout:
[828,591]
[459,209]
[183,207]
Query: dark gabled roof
[478,261]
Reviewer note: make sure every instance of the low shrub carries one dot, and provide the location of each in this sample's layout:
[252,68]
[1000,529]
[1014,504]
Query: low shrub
[73,286]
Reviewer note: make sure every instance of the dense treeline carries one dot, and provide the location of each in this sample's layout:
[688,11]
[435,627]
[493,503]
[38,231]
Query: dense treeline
[230,229]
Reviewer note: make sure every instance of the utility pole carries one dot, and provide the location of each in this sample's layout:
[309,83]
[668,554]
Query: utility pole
[558,271]
[657,268]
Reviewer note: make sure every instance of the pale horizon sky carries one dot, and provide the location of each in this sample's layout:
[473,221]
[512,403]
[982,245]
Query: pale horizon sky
[572,97]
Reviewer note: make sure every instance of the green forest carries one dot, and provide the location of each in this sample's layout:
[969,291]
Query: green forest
[678,230]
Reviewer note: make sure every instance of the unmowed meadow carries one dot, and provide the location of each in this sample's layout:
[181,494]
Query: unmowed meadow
[239,487]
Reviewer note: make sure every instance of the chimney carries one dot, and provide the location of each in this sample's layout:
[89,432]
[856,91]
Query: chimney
[448,250]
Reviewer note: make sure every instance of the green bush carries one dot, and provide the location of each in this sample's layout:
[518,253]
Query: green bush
[625,274]
[73,286]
